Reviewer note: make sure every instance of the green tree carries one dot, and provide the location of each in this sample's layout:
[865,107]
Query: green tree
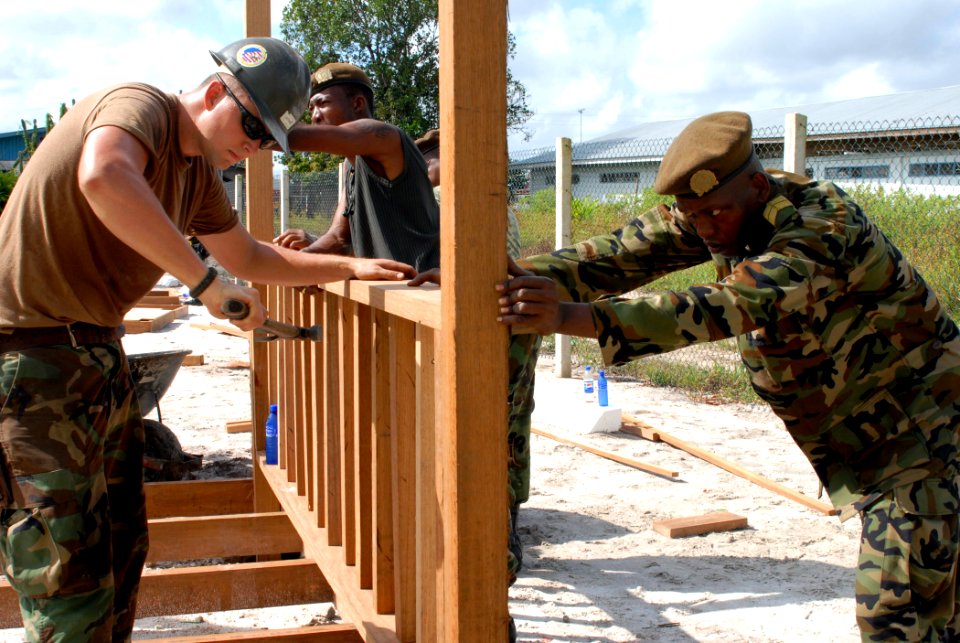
[396,43]
[31,138]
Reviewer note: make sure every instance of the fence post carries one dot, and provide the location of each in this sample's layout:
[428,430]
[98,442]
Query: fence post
[284,199]
[795,144]
[238,194]
[564,174]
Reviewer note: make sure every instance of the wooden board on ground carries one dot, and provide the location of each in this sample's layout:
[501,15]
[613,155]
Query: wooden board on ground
[148,320]
[192,360]
[695,525]
[159,301]
[239,426]
[222,327]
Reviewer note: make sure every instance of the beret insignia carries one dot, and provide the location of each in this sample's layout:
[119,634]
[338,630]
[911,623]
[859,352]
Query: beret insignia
[703,181]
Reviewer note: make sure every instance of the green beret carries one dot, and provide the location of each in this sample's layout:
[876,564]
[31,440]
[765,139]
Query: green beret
[429,141]
[710,151]
[338,74]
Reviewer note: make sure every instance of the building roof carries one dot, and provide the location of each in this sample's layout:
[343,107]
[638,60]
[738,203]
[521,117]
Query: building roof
[904,111]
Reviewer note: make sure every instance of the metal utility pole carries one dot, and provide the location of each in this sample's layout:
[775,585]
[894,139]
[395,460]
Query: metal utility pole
[581,110]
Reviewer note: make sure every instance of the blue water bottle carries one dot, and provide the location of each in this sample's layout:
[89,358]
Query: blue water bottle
[602,388]
[272,435]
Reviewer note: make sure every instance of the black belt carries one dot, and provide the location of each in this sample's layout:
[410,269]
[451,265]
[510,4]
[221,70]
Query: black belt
[73,335]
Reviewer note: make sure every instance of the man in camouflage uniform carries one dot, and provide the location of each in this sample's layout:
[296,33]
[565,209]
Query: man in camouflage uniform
[838,332]
[102,209]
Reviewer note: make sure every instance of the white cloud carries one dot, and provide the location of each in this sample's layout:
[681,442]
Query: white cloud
[668,60]
[72,48]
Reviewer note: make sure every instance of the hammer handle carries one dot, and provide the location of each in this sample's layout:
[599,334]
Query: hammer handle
[236,309]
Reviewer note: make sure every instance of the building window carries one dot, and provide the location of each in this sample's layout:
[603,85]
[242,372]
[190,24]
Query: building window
[552,179]
[857,172]
[947,168]
[619,177]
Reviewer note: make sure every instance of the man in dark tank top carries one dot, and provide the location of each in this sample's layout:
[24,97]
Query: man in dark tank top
[386,208]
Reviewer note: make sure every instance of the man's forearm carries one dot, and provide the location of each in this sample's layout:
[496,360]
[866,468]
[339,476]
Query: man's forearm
[329,244]
[576,319]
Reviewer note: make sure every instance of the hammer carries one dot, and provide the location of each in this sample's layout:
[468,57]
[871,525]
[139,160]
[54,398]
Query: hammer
[236,309]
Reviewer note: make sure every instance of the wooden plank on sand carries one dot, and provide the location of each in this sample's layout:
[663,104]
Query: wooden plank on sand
[192,360]
[694,525]
[224,327]
[637,427]
[239,426]
[148,320]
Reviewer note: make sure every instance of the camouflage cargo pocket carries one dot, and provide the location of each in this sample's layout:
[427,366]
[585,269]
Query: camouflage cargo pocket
[30,557]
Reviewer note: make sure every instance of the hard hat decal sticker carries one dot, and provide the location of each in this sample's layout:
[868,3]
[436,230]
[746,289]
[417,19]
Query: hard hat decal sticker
[287,120]
[251,55]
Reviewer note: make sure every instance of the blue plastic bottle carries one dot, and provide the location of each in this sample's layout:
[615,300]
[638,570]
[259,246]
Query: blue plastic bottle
[588,382]
[602,388]
[272,435]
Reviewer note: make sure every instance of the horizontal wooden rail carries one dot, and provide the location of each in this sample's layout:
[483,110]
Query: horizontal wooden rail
[420,305]
[333,633]
[195,538]
[199,498]
[211,588]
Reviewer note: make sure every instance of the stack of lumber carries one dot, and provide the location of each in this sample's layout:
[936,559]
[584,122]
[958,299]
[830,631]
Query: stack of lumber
[155,311]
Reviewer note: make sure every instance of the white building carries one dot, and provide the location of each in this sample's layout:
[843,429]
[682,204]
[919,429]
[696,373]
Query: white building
[908,140]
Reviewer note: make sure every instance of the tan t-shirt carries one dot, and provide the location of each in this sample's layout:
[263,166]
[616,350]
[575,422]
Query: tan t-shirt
[58,263]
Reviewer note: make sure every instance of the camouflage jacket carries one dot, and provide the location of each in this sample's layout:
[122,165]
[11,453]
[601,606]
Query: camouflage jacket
[839,334]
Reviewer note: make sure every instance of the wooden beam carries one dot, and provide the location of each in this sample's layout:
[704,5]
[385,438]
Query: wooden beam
[251,534]
[333,633]
[199,497]
[193,360]
[148,320]
[472,426]
[214,588]
[211,588]
[609,455]
[695,525]
[635,426]
[420,305]
[239,426]
[354,604]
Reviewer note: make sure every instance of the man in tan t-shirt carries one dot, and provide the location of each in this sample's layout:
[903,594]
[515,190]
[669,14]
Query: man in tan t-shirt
[101,211]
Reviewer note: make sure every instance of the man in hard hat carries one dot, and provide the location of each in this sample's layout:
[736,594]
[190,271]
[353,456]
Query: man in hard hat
[839,335]
[103,208]
[387,207]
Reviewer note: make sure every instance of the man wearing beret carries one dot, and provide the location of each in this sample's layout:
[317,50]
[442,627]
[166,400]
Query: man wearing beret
[387,209]
[838,332]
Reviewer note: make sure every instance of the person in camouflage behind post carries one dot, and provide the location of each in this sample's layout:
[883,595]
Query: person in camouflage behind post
[838,332]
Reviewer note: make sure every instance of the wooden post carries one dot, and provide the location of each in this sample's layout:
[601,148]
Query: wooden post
[472,432]
[795,144]
[260,224]
[284,199]
[564,174]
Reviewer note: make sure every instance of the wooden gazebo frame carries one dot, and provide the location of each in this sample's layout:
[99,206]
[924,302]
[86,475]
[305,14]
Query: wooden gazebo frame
[392,478]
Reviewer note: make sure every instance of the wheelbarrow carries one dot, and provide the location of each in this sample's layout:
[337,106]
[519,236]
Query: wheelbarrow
[164,458]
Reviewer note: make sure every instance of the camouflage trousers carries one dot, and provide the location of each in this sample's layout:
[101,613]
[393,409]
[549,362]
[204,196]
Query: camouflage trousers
[73,528]
[906,587]
[523,352]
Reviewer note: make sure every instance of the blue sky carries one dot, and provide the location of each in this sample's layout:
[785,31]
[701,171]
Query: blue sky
[622,62]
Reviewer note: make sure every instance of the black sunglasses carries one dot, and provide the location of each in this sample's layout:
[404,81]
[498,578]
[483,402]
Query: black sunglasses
[253,127]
